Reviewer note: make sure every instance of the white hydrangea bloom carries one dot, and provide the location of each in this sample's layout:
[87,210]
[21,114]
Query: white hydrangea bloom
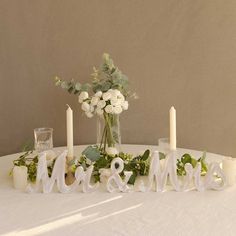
[91,109]
[106,96]
[85,107]
[117,92]
[112,151]
[98,94]
[94,100]
[117,109]
[109,109]
[125,105]
[99,111]
[83,95]
[114,101]
[101,104]
[121,97]
[89,114]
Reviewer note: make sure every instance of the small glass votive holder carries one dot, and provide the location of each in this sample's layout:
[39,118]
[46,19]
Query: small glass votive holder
[164,145]
[43,139]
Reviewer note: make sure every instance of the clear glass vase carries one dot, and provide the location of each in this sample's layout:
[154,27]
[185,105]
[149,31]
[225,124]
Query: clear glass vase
[108,133]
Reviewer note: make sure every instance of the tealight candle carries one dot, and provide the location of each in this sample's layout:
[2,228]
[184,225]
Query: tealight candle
[20,177]
[229,168]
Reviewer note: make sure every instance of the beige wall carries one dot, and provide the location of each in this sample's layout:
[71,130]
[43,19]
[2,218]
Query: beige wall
[175,52]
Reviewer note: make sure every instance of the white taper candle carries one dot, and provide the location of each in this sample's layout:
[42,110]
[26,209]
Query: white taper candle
[69,129]
[172,128]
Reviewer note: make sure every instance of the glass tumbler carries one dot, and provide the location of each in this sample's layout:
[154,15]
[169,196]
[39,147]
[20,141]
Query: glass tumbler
[43,139]
[164,145]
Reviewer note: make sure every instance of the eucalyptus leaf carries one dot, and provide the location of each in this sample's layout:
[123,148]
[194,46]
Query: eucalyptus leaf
[132,178]
[162,155]
[92,153]
[64,85]
[78,86]
[145,155]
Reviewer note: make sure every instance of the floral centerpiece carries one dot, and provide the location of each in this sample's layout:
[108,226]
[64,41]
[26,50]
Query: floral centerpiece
[107,97]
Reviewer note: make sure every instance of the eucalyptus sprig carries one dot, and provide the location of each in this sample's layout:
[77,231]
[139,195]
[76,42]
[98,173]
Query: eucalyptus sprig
[107,76]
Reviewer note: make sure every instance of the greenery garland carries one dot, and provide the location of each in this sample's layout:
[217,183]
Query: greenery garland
[139,165]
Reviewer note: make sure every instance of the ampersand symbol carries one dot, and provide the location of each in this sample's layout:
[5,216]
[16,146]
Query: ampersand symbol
[117,166]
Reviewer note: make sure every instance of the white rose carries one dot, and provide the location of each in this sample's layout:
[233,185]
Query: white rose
[115,92]
[125,105]
[101,104]
[121,97]
[109,109]
[94,100]
[99,111]
[85,106]
[106,96]
[114,101]
[83,95]
[91,109]
[117,109]
[98,94]
[111,151]
[89,114]
[104,175]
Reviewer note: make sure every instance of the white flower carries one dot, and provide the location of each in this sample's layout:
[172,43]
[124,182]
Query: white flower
[109,109]
[99,111]
[94,100]
[83,95]
[104,175]
[125,105]
[89,114]
[121,97]
[117,109]
[91,109]
[117,92]
[111,151]
[98,94]
[106,96]
[85,106]
[114,101]
[101,104]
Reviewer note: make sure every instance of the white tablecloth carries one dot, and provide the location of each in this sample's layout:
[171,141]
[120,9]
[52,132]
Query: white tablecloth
[102,213]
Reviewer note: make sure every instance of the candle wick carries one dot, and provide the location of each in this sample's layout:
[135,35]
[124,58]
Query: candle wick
[68,105]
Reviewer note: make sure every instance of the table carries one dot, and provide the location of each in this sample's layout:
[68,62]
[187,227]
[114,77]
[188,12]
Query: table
[102,213]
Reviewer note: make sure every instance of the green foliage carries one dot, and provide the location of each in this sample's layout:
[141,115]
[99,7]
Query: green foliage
[92,153]
[31,162]
[139,164]
[71,86]
[187,158]
[108,76]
